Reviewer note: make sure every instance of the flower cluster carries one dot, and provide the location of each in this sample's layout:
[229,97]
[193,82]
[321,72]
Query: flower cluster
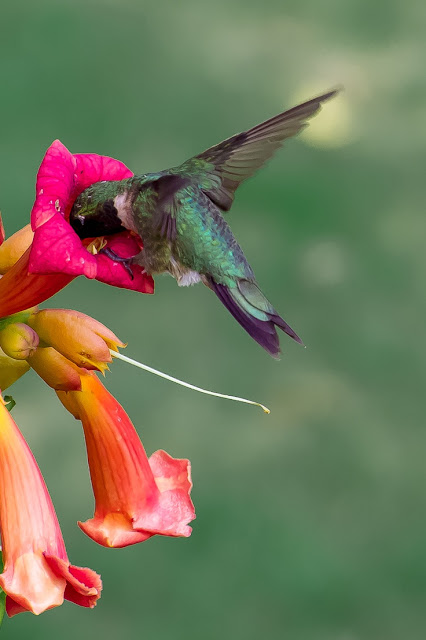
[136,497]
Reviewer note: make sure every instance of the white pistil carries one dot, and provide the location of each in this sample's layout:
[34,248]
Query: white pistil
[145,367]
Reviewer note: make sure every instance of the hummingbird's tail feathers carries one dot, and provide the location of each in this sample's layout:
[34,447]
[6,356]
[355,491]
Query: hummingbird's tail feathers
[254,312]
[224,166]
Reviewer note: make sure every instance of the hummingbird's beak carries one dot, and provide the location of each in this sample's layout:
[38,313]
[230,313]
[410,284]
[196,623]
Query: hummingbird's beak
[77,222]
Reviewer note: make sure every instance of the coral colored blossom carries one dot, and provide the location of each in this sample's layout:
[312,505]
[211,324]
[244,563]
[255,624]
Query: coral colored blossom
[37,574]
[136,498]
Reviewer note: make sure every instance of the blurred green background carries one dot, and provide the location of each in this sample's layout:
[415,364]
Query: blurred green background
[311,523]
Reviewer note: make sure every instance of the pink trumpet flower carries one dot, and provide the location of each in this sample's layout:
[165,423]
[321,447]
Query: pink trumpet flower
[48,256]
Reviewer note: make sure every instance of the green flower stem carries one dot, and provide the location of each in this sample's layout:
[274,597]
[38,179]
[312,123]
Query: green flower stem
[22,316]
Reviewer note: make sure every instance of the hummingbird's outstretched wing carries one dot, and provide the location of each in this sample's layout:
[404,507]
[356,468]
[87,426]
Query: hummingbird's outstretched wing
[222,168]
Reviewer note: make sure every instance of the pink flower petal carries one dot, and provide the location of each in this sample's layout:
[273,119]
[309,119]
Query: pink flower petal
[83,586]
[55,184]
[63,176]
[169,515]
[91,168]
[114,530]
[2,233]
[57,248]
[114,273]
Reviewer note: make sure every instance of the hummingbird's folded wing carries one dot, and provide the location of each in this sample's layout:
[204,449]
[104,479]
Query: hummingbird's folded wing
[167,188]
[222,168]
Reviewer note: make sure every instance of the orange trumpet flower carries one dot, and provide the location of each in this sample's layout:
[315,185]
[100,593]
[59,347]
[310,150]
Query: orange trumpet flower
[37,573]
[136,498]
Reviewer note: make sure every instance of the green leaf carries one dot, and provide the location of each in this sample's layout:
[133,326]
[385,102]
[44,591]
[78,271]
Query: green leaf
[10,402]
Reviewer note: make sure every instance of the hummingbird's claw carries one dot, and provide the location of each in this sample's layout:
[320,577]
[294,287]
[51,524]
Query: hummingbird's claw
[126,262]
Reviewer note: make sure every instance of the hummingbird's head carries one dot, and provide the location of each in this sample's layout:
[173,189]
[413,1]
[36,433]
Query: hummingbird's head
[91,219]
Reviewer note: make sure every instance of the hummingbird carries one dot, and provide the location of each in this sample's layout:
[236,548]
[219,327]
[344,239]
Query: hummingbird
[178,214]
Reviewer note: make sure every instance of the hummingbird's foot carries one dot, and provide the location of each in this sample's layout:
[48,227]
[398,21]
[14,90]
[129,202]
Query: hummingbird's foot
[126,262]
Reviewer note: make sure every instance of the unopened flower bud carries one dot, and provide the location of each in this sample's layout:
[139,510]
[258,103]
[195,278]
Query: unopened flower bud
[81,339]
[57,371]
[18,341]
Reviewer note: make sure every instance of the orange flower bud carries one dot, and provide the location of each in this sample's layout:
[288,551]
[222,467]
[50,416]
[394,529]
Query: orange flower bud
[56,370]
[81,339]
[18,340]
[14,247]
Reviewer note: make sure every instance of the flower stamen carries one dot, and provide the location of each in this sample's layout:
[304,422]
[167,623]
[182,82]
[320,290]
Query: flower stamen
[96,245]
